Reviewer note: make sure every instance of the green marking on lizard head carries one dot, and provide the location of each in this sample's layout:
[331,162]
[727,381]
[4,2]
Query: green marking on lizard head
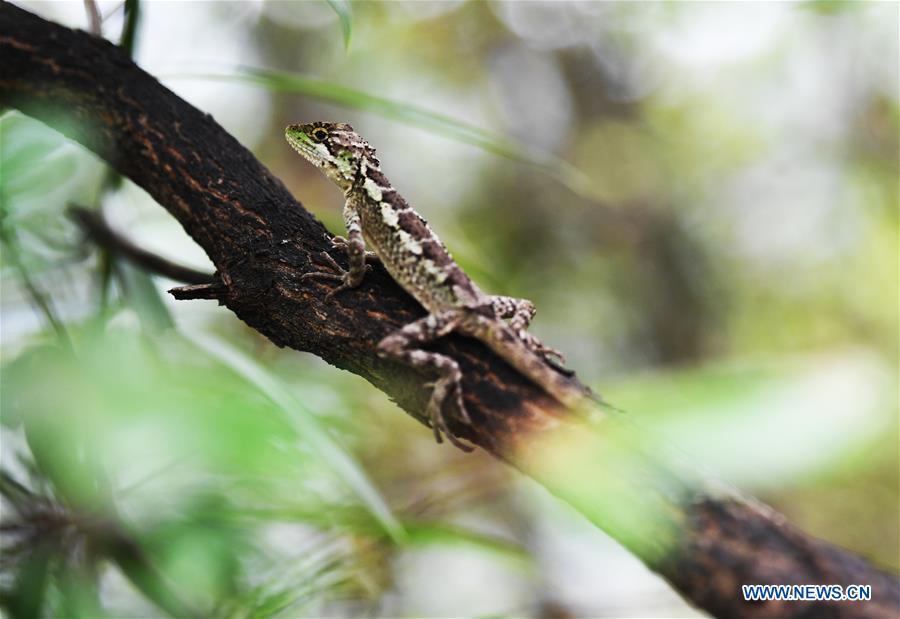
[334,147]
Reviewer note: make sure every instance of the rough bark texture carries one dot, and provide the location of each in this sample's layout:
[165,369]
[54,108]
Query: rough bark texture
[728,536]
[261,241]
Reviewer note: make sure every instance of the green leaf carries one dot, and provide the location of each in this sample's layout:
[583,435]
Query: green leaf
[726,416]
[142,295]
[438,533]
[831,7]
[308,426]
[129,27]
[344,13]
[38,168]
[296,83]
[24,141]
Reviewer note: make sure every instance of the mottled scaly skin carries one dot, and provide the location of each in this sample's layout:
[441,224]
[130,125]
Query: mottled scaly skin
[377,216]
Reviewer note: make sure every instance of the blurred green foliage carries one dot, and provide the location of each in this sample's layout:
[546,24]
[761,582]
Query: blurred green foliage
[711,237]
[345,15]
[410,115]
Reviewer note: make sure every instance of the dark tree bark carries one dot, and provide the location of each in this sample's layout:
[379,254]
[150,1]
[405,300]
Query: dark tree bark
[261,241]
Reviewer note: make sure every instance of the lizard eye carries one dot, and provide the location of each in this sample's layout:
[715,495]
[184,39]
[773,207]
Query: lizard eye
[319,134]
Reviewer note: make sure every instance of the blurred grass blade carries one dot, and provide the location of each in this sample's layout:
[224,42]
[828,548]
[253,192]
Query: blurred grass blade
[95,22]
[308,427]
[129,26]
[345,14]
[142,295]
[282,81]
[434,533]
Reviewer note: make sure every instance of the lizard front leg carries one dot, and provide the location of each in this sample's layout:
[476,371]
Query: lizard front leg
[355,246]
[405,345]
[340,242]
[520,312]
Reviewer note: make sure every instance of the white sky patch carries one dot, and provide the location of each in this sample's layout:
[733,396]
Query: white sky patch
[178,38]
[300,15]
[538,110]
[790,428]
[704,37]
[781,210]
[552,25]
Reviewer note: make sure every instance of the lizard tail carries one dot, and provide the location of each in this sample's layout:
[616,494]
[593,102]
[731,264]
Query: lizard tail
[506,343]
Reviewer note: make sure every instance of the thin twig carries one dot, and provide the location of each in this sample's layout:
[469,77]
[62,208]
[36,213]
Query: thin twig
[101,233]
[95,22]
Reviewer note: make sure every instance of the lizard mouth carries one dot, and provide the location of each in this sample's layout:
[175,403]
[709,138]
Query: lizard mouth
[302,144]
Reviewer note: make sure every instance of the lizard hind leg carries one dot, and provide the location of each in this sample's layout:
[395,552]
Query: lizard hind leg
[520,312]
[405,345]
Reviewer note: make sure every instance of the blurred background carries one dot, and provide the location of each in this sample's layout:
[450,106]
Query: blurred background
[700,198]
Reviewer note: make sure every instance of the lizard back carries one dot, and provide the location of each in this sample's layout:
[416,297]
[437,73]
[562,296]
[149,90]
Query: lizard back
[409,249]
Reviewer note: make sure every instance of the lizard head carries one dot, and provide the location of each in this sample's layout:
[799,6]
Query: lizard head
[334,147]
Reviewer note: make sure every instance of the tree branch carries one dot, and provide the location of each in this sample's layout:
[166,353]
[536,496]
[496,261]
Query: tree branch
[703,541]
[99,231]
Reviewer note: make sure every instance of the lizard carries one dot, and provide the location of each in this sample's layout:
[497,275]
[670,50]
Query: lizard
[377,216]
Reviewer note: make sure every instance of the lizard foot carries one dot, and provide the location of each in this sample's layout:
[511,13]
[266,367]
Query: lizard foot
[341,243]
[440,394]
[552,356]
[336,273]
